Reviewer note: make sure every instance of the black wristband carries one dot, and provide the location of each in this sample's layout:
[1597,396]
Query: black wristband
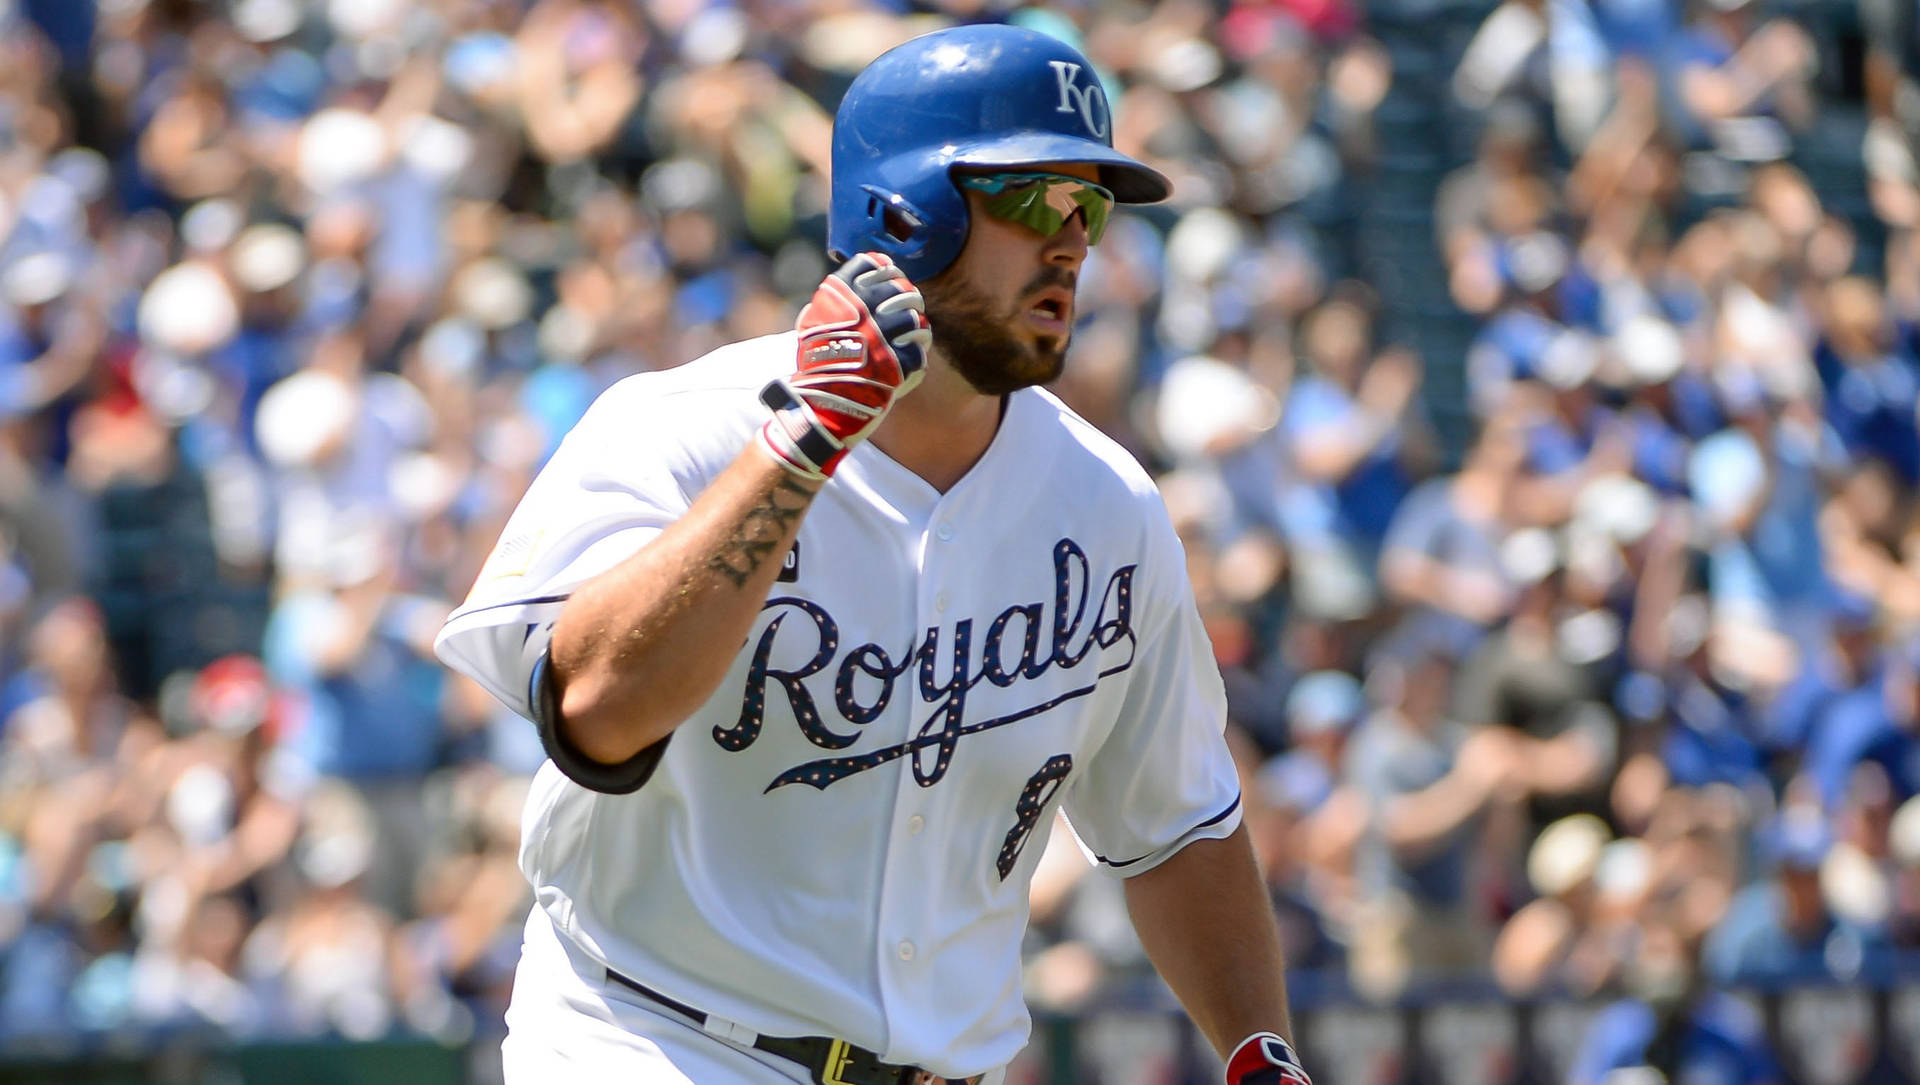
[622,779]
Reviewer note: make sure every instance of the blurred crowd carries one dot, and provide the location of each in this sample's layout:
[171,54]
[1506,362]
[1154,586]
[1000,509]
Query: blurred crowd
[1621,694]
[1582,661]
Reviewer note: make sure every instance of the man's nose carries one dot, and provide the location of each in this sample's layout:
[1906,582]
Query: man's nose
[1068,246]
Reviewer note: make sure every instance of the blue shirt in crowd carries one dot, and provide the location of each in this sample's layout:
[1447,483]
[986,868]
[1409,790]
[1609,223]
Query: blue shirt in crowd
[1871,406]
[1721,1042]
[1366,498]
[379,717]
[1859,728]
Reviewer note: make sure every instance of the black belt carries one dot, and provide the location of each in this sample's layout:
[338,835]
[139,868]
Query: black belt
[832,1062]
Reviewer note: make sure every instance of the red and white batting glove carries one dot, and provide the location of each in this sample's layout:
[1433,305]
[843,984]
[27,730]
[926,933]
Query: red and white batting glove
[1265,1059]
[863,344]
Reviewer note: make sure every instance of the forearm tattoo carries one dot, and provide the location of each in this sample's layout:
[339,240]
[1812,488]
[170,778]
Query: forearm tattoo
[760,532]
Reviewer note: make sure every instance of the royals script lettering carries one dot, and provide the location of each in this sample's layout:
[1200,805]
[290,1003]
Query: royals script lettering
[1021,644]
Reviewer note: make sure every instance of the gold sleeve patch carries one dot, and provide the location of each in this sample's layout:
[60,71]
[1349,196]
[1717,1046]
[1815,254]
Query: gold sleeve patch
[512,557]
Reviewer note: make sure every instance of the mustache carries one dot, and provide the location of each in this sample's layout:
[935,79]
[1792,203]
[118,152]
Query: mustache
[1051,275]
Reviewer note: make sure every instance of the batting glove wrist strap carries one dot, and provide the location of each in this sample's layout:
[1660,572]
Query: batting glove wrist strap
[863,344]
[794,437]
[1264,1058]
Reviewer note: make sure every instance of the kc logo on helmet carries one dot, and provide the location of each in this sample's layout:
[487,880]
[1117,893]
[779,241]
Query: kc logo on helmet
[1089,101]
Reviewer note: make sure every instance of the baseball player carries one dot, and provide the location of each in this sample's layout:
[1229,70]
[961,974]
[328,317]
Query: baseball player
[820,629]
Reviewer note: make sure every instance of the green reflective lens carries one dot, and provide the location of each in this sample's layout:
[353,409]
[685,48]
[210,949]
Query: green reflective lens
[1043,202]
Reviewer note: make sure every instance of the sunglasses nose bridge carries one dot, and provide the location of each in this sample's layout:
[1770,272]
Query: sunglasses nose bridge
[1070,200]
[1070,242]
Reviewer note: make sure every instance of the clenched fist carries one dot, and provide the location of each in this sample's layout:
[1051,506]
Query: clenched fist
[863,344]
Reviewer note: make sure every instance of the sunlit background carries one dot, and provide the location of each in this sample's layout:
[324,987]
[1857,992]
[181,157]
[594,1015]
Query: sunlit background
[1534,387]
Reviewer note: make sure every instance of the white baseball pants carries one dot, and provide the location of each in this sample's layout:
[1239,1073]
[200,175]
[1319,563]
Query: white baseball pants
[567,1026]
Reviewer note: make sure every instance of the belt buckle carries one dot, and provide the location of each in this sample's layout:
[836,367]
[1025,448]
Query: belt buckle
[835,1065]
[845,1064]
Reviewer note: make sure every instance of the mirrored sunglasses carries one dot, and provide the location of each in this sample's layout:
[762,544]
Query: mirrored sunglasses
[1043,202]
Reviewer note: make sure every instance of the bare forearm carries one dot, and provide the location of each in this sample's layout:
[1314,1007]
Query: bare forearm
[1328,456]
[639,648]
[1414,823]
[1207,924]
[1567,763]
[1415,578]
[1661,581]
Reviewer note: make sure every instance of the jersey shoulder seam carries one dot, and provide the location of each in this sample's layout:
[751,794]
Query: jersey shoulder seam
[1099,446]
[714,371]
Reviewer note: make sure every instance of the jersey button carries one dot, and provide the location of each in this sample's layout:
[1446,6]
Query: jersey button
[906,951]
[941,601]
[944,531]
[915,824]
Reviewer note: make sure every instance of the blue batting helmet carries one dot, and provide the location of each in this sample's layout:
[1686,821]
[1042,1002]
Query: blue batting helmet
[985,96]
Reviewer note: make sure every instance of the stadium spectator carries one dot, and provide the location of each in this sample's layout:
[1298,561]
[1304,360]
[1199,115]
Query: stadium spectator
[1778,929]
[1674,1025]
[1731,66]
[1584,921]
[1441,555]
[1877,723]
[1427,782]
[1534,680]
[1304,829]
[1355,438]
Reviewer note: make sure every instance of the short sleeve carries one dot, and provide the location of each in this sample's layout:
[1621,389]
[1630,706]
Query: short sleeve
[1163,777]
[297,627]
[1476,689]
[617,481]
[1367,766]
[1415,525]
[1315,408]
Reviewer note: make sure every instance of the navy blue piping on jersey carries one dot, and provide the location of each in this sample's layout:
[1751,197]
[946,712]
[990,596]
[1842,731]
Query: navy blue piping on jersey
[520,603]
[1214,820]
[622,779]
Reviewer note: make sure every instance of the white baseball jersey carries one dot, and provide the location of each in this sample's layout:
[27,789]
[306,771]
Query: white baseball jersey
[837,842]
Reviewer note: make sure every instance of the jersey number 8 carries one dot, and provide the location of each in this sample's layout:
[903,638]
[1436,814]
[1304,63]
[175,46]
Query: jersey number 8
[1034,798]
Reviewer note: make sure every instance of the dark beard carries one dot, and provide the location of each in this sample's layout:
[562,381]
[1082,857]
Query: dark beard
[979,342]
